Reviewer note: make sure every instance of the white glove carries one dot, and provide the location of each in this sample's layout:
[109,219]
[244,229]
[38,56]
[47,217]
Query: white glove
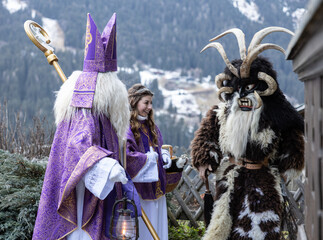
[99,180]
[181,162]
[149,172]
[166,158]
[118,174]
[152,155]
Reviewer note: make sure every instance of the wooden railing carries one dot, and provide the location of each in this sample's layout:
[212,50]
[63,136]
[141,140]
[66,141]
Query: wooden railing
[186,201]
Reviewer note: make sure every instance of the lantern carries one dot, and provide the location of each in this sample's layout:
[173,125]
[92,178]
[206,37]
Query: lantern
[127,227]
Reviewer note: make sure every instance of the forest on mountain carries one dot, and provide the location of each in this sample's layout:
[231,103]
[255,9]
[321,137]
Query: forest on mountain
[165,34]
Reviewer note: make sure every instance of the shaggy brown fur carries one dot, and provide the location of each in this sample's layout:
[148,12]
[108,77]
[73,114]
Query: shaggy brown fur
[274,138]
[205,140]
[257,188]
[254,124]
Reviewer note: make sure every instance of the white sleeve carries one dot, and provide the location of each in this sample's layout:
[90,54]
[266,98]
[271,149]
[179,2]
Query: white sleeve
[97,178]
[149,172]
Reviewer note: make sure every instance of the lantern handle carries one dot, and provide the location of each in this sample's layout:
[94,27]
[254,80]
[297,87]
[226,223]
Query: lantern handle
[144,217]
[124,202]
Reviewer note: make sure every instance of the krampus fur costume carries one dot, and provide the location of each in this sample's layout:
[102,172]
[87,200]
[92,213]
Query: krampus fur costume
[249,141]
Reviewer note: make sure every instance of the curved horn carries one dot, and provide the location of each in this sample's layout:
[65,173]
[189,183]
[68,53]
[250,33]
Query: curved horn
[220,48]
[259,100]
[240,37]
[224,90]
[220,78]
[245,66]
[260,35]
[272,85]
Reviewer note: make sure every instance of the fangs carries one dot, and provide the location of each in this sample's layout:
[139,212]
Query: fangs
[245,103]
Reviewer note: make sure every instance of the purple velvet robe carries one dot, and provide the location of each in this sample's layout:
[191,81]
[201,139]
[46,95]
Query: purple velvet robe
[136,159]
[78,145]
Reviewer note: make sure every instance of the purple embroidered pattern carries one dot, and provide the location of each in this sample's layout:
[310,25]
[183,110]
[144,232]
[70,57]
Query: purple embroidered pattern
[100,55]
[77,146]
[84,90]
[136,159]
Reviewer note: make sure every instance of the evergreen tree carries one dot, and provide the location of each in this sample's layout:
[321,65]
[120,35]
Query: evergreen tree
[20,188]
[158,95]
[129,78]
[165,34]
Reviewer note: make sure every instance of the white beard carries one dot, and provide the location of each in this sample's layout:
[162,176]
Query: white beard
[110,99]
[238,128]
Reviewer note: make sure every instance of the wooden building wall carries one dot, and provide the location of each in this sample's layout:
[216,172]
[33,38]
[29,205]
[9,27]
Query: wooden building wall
[306,51]
[313,156]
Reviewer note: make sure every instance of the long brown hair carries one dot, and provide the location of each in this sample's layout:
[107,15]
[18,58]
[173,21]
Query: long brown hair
[135,94]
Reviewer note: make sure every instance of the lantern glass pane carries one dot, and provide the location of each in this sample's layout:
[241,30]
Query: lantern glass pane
[126,228]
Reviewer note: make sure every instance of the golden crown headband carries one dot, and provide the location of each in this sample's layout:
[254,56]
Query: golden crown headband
[142,90]
[254,49]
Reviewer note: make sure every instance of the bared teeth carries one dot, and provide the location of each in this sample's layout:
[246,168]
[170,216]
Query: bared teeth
[244,102]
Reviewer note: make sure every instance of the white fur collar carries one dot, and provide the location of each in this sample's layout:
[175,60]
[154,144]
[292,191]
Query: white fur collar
[141,118]
[110,99]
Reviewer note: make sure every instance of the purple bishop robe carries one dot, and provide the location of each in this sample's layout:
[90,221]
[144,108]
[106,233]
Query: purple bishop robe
[136,159]
[78,145]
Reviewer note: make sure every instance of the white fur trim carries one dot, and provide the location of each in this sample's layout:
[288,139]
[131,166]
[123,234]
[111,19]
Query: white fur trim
[141,118]
[241,127]
[221,222]
[292,174]
[276,174]
[62,109]
[110,99]
[255,232]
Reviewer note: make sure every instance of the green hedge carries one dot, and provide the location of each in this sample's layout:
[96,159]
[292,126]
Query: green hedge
[184,232]
[20,187]
[21,181]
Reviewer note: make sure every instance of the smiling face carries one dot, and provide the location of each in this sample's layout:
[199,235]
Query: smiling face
[145,105]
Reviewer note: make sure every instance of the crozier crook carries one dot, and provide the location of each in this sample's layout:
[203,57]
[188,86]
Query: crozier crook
[41,39]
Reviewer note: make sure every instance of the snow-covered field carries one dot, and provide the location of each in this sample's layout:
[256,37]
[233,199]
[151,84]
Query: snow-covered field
[190,96]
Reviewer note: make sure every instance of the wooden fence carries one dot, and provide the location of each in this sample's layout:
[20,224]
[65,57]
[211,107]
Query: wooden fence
[186,201]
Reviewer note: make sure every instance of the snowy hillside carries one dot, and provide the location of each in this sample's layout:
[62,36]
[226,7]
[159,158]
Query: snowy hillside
[251,10]
[14,5]
[55,33]
[165,36]
[190,96]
